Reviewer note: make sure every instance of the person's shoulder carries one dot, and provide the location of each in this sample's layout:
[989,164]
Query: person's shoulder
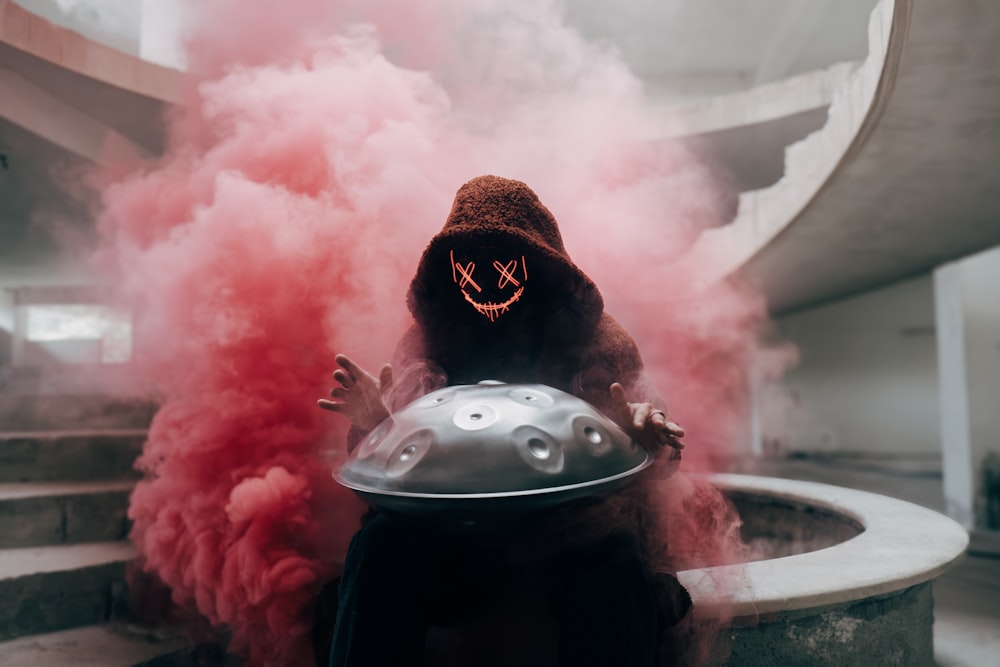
[611,356]
[612,349]
[410,346]
[610,335]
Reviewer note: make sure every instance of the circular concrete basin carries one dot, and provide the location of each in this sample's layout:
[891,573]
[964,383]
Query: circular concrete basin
[850,583]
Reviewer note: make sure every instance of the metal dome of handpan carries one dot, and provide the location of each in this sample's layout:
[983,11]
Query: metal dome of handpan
[470,452]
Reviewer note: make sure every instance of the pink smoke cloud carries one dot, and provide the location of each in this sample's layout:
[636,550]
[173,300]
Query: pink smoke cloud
[320,150]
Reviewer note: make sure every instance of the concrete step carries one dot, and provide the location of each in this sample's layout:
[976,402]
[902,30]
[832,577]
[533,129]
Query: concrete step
[108,645]
[51,513]
[36,412]
[77,455]
[45,589]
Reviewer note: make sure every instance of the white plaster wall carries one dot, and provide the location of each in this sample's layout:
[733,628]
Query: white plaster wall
[867,377]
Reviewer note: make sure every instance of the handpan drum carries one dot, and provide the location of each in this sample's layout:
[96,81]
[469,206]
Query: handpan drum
[472,455]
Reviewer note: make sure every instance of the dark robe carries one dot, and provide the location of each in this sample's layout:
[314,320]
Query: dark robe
[497,297]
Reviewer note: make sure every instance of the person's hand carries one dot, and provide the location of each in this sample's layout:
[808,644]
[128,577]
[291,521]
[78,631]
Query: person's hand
[359,395]
[648,425]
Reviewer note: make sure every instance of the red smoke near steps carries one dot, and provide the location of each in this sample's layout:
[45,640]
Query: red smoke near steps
[319,152]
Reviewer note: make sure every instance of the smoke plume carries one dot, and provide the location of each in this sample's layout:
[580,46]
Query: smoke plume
[320,149]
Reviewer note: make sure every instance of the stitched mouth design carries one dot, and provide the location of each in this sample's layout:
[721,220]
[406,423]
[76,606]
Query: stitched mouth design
[493,310]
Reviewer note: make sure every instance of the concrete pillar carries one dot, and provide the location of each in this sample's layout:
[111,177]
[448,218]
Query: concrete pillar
[756,416]
[6,334]
[968,335]
[953,392]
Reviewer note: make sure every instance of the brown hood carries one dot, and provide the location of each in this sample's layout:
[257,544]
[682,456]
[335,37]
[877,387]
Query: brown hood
[489,211]
[542,337]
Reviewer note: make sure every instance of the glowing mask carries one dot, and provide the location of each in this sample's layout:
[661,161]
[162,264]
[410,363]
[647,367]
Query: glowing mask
[490,284]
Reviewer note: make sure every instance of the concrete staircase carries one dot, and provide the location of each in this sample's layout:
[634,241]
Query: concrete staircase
[65,477]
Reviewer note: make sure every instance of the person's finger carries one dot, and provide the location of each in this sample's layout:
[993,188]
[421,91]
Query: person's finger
[339,392]
[641,414]
[619,408]
[675,445]
[675,429]
[618,398]
[330,405]
[343,378]
[349,366]
[658,418]
[385,377]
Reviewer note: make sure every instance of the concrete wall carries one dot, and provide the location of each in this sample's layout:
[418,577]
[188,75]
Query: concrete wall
[751,157]
[891,630]
[867,377]
[115,23]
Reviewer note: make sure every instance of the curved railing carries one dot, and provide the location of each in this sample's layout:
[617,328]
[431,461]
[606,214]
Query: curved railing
[865,600]
[854,111]
[901,545]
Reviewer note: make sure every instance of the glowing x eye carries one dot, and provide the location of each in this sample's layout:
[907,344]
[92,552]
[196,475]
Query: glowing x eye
[465,271]
[506,273]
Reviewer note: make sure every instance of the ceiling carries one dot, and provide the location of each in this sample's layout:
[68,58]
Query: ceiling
[918,192]
[693,48]
[679,47]
[676,44]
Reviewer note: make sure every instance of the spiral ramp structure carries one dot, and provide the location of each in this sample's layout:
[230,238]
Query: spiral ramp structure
[899,177]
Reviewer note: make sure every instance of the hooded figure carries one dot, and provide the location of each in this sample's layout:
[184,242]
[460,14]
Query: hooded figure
[497,297]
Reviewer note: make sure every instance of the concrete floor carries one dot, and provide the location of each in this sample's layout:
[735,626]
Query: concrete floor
[967,597]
